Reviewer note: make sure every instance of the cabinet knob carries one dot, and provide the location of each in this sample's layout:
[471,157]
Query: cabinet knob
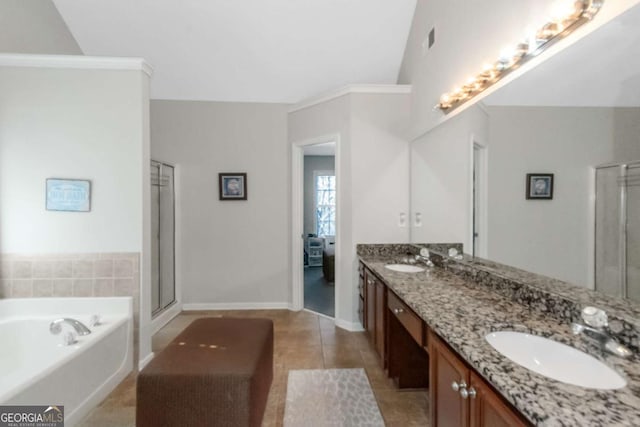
[398,311]
[458,386]
[471,392]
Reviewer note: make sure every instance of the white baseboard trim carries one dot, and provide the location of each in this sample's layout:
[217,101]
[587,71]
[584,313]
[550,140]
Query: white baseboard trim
[349,326]
[237,306]
[165,317]
[144,362]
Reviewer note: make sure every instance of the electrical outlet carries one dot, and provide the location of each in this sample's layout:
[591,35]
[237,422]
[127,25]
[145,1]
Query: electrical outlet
[402,220]
[418,220]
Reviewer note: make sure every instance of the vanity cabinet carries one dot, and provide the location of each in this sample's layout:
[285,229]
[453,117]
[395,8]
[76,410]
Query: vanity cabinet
[375,320]
[460,397]
[488,409]
[407,359]
[381,321]
[361,296]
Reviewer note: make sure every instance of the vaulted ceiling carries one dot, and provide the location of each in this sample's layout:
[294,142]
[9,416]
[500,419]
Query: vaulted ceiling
[248,50]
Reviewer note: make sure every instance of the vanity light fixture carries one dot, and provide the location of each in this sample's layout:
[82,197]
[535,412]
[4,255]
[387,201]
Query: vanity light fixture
[567,16]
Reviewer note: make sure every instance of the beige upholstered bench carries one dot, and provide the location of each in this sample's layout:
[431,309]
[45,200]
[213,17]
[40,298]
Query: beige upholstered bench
[217,372]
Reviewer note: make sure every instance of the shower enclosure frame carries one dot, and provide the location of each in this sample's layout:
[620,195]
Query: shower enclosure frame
[623,175]
[156,312]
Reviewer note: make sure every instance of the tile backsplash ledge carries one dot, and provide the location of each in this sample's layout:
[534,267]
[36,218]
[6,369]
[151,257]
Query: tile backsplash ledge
[394,249]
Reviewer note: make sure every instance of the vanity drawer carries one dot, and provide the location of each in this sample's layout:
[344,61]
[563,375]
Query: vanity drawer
[412,323]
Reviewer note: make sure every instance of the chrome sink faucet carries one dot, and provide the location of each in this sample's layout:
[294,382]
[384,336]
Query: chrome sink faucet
[595,321]
[56,326]
[425,257]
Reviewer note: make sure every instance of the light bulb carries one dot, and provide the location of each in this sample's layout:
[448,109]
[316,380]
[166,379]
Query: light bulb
[561,9]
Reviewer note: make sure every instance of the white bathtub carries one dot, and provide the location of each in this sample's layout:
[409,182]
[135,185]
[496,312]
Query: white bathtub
[36,369]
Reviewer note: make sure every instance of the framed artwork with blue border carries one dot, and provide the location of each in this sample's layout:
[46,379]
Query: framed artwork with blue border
[68,195]
[232,186]
[539,186]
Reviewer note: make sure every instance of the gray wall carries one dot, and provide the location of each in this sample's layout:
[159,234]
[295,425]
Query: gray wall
[52,126]
[441,186]
[233,251]
[312,164]
[552,237]
[372,177]
[34,26]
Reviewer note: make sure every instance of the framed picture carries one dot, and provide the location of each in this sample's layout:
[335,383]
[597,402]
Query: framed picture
[233,186]
[68,195]
[539,186]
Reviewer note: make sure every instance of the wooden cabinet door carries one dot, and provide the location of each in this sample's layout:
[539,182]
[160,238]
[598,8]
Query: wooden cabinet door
[448,408]
[381,309]
[361,296]
[487,408]
[370,305]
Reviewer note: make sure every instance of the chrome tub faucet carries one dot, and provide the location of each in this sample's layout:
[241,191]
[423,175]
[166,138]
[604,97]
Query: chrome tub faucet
[56,326]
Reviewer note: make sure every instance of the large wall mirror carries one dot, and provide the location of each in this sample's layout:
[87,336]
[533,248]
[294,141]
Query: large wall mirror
[571,126]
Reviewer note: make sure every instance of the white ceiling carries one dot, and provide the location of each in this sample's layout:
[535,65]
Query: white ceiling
[602,69]
[248,50]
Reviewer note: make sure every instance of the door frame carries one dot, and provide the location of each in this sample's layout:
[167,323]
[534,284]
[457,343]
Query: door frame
[475,143]
[297,220]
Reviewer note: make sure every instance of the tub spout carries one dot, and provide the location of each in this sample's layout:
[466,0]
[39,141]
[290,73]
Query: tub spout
[56,326]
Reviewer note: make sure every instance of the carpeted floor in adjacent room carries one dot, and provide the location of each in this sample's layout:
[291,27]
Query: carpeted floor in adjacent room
[319,294]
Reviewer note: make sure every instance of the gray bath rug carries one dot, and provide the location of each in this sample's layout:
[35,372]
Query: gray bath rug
[330,397]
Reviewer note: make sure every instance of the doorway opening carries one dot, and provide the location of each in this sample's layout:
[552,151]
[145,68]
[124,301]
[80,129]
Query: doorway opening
[315,225]
[319,228]
[479,199]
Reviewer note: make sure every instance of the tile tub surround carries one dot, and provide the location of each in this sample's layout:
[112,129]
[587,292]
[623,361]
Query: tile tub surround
[462,312]
[72,275]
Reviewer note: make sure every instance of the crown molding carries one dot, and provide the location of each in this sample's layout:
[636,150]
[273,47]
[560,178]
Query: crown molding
[328,96]
[75,61]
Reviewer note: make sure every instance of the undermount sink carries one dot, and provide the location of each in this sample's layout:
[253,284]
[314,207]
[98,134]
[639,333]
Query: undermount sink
[404,268]
[555,360]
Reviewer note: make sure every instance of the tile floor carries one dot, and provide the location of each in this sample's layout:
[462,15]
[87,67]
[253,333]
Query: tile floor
[303,340]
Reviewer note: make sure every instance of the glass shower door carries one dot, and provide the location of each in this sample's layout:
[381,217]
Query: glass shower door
[162,236]
[633,232]
[608,242]
[618,230]
[155,237]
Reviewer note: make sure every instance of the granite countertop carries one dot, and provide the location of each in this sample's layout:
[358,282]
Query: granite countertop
[462,312]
